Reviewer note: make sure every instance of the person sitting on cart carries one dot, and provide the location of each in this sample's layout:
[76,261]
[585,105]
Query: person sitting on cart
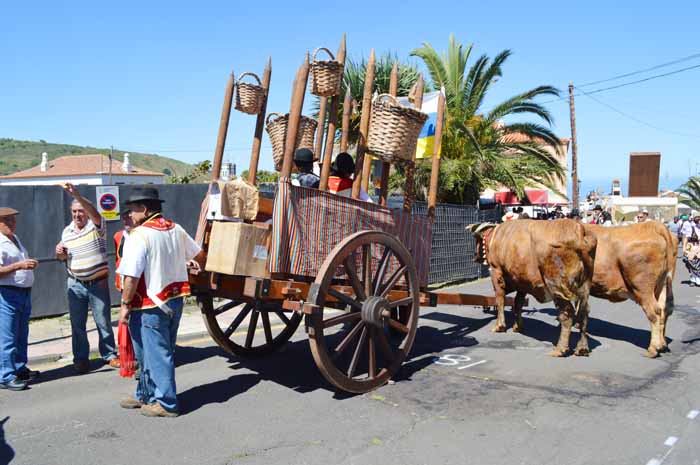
[340,180]
[304,161]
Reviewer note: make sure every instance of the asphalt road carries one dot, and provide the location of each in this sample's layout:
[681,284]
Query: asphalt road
[467,396]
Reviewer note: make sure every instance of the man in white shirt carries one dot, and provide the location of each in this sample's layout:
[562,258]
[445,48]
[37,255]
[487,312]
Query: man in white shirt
[16,279]
[154,268]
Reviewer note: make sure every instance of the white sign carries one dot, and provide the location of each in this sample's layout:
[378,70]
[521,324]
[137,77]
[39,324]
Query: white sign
[108,202]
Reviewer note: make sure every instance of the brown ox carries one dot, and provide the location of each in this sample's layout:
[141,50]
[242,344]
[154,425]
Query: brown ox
[550,260]
[637,262]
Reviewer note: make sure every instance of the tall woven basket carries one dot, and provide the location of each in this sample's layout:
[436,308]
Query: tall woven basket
[326,75]
[249,97]
[277,131]
[393,130]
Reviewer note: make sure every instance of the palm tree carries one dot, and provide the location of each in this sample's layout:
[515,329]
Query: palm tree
[354,77]
[690,191]
[479,150]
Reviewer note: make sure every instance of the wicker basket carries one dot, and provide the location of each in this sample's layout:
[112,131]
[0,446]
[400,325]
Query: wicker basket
[277,131]
[326,76]
[393,130]
[249,97]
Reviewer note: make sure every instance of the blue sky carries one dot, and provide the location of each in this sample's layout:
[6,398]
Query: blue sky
[150,76]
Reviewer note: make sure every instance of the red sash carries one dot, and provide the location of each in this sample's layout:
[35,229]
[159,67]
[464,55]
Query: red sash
[141,300]
[336,184]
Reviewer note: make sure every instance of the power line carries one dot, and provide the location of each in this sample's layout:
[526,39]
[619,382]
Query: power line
[657,76]
[634,118]
[624,84]
[633,73]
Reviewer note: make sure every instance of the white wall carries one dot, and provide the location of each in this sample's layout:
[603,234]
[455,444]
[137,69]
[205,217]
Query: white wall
[95,180]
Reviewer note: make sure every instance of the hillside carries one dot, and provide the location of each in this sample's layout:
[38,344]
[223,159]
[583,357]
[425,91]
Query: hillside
[17,155]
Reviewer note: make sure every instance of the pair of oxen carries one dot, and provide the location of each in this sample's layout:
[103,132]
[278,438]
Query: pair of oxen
[565,261]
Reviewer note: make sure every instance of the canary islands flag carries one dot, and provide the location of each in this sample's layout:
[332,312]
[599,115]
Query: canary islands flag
[426,138]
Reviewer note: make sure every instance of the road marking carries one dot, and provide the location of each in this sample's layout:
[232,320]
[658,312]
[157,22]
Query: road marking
[670,441]
[472,364]
[692,414]
[654,462]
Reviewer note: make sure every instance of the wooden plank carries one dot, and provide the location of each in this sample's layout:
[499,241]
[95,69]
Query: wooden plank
[471,299]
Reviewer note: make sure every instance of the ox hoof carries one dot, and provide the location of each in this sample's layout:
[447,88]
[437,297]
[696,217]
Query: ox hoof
[662,349]
[651,353]
[557,352]
[517,328]
[498,329]
[582,351]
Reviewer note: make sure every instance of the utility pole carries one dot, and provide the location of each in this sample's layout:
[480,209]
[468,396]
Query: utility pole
[574,151]
[111,152]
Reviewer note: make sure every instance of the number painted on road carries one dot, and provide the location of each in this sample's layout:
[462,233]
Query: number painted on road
[456,360]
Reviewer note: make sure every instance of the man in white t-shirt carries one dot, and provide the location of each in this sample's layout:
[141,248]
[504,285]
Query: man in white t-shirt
[16,279]
[154,268]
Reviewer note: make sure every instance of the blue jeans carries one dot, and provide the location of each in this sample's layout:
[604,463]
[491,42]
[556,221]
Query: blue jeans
[153,334]
[96,296]
[15,307]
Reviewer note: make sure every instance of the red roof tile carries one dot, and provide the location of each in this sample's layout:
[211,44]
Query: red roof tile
[80,165]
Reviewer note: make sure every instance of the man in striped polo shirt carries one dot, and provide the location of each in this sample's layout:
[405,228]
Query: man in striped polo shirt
[84,249]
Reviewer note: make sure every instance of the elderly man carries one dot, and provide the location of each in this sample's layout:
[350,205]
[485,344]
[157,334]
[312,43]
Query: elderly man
[16,279]
[304,161]
[84,249]
[154,268]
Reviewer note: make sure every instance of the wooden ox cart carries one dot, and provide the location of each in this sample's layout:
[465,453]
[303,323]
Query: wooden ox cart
[356,272]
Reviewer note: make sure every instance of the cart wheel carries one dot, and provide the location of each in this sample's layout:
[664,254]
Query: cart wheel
[224,321]
[362,347]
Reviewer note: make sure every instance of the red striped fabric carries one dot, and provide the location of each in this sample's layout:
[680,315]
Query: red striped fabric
[308,223]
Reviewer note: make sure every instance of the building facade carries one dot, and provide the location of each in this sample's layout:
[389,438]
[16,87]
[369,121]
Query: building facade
[94,170]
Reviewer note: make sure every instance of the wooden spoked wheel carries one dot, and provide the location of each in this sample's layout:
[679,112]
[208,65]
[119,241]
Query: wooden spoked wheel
[360,338]
[226,324]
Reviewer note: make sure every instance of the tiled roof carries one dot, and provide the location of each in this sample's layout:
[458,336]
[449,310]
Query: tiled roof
[80,165]
[518,137]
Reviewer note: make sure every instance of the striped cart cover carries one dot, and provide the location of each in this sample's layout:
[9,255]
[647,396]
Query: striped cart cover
[308,223]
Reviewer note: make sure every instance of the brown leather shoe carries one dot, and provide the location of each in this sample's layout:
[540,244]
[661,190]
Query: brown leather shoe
[130,403]
[114,363]
[81,367]
[157,410]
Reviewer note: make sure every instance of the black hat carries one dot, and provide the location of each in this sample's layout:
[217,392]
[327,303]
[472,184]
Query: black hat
[304,155]
[597,207]
[143,193]
[343,163]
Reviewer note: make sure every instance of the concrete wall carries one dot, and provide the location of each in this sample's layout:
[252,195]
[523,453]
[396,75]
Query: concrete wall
[45,211]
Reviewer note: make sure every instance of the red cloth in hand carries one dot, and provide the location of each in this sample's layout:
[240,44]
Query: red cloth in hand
[127,358]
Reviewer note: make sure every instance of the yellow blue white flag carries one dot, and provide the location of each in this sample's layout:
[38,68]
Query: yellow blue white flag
[426,138]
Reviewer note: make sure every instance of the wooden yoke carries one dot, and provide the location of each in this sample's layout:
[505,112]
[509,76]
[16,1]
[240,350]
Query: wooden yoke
[299,89]
[362,166]
[260,124]
[409,192]
[435,167]
[223,129]
[332,124]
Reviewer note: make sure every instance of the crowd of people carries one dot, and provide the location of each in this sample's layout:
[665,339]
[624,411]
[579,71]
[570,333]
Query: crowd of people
[153,254]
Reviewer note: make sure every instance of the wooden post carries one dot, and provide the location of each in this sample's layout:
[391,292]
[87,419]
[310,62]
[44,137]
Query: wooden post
[435,168]
[296,106]
[332,126]
[574,151]
[347,111]
[362,166]
[223,129]
[386,167]
[259,124]
[409,193]
[318,145]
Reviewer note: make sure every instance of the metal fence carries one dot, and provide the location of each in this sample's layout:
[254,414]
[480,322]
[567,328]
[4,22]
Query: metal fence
[452,251]
[45,211]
